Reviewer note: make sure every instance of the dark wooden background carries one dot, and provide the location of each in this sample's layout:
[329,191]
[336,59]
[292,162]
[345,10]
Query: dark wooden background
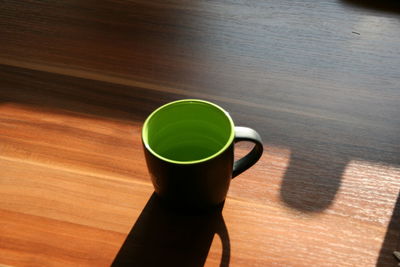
[319,80]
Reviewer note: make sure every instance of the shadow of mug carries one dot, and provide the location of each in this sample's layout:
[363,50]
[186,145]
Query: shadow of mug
[163,236]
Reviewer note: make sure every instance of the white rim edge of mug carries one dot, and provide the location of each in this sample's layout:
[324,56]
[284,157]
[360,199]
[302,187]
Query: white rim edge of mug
[227,144]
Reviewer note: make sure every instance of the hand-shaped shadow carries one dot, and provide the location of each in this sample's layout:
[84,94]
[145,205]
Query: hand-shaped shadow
[392,239]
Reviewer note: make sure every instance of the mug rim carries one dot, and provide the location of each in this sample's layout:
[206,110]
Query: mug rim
[216,154]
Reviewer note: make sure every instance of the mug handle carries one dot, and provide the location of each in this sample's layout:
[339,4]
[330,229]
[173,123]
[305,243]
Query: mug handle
[247,134]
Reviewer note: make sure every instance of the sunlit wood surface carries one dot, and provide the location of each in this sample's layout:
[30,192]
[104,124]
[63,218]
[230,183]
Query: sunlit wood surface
[320,81]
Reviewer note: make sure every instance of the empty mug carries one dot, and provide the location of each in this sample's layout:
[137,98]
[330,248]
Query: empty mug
[189,150]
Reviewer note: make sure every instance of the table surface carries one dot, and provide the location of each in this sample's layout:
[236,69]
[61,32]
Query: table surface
[319,80]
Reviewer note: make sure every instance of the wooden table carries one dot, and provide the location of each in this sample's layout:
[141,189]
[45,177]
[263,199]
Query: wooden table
[320,81]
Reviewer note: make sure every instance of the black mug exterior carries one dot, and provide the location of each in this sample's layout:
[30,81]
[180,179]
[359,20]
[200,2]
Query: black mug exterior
[199,185]
[203,184]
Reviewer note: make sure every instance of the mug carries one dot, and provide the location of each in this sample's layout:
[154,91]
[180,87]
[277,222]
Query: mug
[189,149]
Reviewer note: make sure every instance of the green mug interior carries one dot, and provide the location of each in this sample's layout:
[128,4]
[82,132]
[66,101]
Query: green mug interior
[188,131]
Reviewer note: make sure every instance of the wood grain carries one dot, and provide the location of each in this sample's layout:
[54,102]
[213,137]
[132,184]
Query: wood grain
[320,81]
